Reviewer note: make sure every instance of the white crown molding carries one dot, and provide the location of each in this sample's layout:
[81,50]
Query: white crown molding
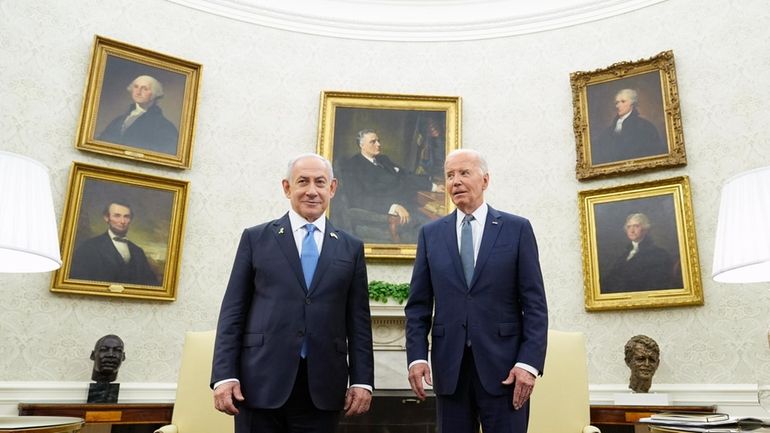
[417,21]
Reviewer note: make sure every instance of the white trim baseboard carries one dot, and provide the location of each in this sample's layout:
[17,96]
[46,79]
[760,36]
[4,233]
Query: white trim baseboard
[735,399]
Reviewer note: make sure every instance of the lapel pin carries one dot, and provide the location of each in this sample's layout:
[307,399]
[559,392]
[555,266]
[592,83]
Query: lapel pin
[494,223]
[334,235]
[280,231]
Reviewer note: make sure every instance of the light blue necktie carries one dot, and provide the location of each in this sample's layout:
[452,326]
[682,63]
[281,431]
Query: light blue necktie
[309,259]
[466,248]
[309,255]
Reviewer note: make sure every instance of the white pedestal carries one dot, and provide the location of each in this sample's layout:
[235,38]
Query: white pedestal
[639,399]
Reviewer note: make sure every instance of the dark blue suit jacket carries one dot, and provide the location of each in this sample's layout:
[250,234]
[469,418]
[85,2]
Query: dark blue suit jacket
[503,313]
[267,311]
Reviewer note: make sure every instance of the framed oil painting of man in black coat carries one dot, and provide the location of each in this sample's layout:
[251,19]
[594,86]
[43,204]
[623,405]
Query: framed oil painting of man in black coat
[626,117]
[639,247]
[139,104]
[388,155]
[121,234]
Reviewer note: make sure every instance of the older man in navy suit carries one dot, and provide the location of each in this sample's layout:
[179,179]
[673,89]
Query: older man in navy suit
[478,267]
[294,340]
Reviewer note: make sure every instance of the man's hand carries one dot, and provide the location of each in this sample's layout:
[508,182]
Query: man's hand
[417,374]
[523,383]
[357,401]
[224,395]
[403,214]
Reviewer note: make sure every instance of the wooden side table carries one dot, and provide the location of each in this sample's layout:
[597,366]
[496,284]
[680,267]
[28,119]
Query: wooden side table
[40,424]
[152,415]
[621,419]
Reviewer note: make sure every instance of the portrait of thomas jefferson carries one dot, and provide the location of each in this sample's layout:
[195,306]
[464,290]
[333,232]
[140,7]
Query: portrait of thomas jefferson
[637,245]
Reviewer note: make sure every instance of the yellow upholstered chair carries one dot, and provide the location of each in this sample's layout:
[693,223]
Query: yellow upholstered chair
[560,399]
[194,406]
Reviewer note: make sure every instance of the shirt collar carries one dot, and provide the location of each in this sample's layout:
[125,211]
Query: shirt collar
[298,222]
[480,214]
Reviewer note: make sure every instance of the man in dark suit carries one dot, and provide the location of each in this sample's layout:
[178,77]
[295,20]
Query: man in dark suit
[478,267]
[111,256]
[372,181]
[642,265]
[629,136]
[143,124]
[294,328]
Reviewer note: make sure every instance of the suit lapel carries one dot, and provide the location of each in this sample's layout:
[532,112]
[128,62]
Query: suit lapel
[492,228]
[328,253]
[285,238]
[449,233]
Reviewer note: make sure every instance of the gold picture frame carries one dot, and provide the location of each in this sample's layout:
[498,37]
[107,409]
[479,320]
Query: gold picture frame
[415,134]
[145,217]
[110,121]
[642,131]
[663,269]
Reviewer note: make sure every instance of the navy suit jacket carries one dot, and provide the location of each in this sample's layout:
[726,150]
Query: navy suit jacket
[503,312]
[267,311]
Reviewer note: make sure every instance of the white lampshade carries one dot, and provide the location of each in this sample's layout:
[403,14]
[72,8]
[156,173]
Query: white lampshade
[28,238]
[742,248]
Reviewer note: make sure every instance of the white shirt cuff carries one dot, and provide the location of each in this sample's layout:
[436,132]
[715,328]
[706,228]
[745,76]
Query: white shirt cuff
[417,361]
[366,387]
[529,368]
[216,384]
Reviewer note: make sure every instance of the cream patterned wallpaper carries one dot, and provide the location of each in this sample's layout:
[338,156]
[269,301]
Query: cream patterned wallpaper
[259,105]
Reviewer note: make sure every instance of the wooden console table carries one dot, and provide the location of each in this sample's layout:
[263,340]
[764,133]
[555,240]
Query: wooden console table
[151,415]
[621,419]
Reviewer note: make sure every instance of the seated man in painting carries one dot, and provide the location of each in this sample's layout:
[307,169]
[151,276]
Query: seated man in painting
[373,182]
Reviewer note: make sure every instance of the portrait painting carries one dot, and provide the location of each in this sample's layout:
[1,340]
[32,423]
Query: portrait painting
[121,234]
[639,246]
[627,118]
[139,104]
[388,155]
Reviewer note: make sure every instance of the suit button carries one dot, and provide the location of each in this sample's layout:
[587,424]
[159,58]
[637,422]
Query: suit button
[300,333]
[469,297]
[307,301]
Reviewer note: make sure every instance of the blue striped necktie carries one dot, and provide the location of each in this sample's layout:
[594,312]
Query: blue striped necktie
[309,255]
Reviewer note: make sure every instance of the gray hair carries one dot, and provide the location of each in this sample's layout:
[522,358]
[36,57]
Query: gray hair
[642,218]
[360,134]
[630,93]
[475,153]
[157,88]
[294,160]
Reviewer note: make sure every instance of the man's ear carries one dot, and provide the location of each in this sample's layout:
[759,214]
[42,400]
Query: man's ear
[333,187]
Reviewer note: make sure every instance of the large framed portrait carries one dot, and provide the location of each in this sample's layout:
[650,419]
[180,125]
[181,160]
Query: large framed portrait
[139,104]
[121,234]
[388,154]
[639,247]
[627,118]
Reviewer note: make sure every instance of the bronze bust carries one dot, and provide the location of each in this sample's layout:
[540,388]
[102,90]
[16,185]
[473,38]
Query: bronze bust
[108,355]
[642,357]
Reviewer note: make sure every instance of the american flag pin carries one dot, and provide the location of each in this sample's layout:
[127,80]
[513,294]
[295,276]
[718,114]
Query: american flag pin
[334,235]
[280,231]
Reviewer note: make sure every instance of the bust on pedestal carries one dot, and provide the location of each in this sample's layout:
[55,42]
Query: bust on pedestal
[107,355]
[642,356]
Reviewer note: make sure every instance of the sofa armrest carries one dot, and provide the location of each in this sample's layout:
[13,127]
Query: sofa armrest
[591,429]
[171,428]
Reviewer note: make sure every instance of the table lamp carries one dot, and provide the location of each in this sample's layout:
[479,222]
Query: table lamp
[28,238]
[742,247]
